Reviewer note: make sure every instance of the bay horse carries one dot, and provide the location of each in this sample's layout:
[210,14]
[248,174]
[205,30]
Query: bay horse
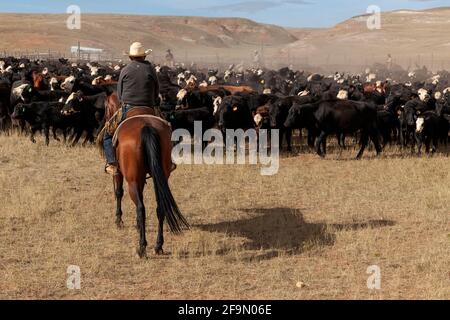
[144,147]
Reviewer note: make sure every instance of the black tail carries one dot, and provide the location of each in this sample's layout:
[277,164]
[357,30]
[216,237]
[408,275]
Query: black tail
[152,153]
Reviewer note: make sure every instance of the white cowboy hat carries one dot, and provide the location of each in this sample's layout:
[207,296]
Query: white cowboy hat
[137,50]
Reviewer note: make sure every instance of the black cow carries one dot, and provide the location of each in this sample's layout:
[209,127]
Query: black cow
[89,110]
[194,100]
[340,117]
[408,118]
[42,116]
[185,119]
[234,113]
[302,116]
[5,120]
[278,112]
[73,84]
[430,128]
[388,125]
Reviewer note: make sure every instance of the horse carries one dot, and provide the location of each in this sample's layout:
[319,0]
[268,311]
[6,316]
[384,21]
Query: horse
[144,147]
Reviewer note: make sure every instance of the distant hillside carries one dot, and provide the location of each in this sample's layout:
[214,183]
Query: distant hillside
[412,37]
[114,33]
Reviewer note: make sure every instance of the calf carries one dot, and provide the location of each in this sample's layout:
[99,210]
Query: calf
[279,111]
[430,128]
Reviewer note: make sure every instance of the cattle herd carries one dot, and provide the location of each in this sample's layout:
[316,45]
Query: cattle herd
[65,99]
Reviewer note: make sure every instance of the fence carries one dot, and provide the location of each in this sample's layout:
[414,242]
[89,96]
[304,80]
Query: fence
[271,59]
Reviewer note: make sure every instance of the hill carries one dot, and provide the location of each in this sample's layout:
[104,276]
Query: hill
[412,37]
[114,33]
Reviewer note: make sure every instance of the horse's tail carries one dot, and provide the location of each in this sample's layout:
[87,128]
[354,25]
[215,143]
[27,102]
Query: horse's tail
[150,141]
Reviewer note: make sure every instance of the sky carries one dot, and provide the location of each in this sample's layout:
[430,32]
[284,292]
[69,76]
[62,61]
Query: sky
[287,13]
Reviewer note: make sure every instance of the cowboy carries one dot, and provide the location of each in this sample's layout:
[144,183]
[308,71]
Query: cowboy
[169,58]
[137,87]
[257,58]
[389,62]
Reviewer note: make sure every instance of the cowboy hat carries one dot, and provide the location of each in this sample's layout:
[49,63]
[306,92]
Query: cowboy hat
[137,50]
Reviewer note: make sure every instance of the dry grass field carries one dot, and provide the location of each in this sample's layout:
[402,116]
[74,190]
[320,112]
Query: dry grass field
[320,222]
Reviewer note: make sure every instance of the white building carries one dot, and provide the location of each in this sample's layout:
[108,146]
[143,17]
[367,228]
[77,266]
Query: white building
[86,53]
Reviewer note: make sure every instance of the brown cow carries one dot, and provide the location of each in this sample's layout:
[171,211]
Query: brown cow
[38,81]
[231,89]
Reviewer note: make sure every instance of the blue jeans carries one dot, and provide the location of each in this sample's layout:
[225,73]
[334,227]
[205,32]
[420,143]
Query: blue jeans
[110,152]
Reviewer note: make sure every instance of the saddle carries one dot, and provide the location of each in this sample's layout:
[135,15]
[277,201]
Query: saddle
[113,124]
[148,115]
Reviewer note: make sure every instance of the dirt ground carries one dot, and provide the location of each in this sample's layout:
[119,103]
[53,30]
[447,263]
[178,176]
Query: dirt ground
[309,232]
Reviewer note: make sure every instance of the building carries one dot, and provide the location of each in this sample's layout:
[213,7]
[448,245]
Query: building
[86,53]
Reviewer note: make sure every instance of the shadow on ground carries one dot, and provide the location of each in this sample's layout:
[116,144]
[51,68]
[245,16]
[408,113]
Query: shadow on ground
[284,230]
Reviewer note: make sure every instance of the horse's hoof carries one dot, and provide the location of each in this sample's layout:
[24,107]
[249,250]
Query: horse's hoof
[159,251]
[119,224]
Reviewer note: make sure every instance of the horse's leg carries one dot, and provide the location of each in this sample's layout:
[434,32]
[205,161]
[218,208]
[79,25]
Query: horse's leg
[118,190]
[135,191]
[160,238]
